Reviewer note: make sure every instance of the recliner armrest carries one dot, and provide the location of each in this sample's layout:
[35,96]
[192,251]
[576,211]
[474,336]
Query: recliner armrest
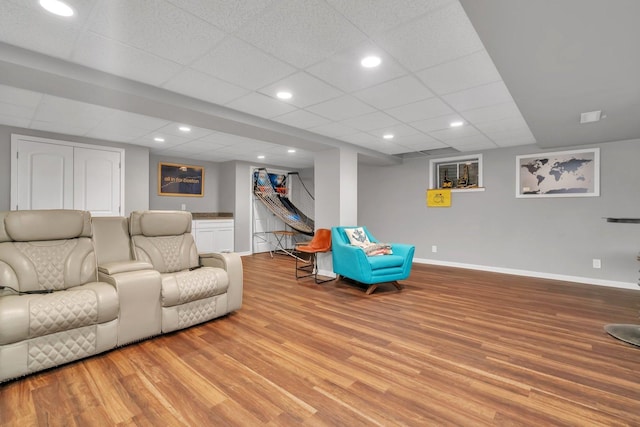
[111,268]
[232,264]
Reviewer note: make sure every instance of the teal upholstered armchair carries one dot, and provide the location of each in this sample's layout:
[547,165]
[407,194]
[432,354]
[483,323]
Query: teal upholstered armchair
[352,262]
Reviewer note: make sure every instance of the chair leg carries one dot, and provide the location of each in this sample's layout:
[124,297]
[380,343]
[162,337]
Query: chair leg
[312,269]
[371,288]
[397,285]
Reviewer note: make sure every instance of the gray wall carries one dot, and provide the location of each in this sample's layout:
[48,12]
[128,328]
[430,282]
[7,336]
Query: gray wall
[136,171]
[207,203]
[556,236]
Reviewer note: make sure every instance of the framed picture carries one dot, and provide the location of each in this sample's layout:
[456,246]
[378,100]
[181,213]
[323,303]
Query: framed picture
[573,173]
[180,180]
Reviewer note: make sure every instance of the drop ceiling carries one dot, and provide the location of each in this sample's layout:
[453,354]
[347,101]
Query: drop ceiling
[132,71]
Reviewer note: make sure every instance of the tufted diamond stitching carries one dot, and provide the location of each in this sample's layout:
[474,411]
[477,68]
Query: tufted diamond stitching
[169,247]
[48,261]
[196,284]
[196,312]
[63,347]
[61,311]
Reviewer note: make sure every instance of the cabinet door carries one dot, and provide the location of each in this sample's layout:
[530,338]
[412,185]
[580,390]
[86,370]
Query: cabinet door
[205,240]
[97,181]
[223,240]
[44,176]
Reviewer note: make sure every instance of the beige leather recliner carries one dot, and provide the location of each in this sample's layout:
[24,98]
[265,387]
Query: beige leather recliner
[195,287]
[51,251]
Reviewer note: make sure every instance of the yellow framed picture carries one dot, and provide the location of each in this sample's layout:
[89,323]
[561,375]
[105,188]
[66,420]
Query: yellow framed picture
[180,180]
[439,198]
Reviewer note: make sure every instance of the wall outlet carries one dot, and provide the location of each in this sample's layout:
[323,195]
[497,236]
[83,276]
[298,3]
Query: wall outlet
[434,249]
[184,206]
[597,263]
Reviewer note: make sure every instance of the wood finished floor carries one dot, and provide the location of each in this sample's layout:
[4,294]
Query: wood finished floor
[452,348]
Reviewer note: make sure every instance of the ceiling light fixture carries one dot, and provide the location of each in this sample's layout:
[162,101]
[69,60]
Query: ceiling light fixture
[158,139]
[370,61]
[388,136]
[291,150]
[185,128]
[590,117]
[261,157]
[57,7]
[456,124]
[284,95]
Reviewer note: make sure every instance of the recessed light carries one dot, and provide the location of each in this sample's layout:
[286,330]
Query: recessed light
[284,95]
[261,157]
[158,139]
[371,61]
[291,150]
[185,128]
[388,136]
[456,124]
[57,7]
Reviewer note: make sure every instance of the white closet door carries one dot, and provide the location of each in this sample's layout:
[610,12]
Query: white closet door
[44,176]
[97,181]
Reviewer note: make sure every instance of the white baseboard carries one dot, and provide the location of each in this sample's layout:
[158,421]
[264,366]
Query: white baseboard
[562,277]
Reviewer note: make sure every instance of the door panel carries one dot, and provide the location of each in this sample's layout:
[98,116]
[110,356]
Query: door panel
[97,181]
[45,176]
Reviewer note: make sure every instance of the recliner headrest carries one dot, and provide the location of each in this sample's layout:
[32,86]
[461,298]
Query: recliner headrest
[38,225]
[159,223]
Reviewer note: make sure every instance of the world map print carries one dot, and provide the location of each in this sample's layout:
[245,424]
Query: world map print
[566,173]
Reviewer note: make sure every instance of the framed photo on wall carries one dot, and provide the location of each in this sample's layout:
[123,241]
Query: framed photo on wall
[180,180]
[573,173]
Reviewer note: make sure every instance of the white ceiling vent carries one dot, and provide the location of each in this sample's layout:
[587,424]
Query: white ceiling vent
[590,117]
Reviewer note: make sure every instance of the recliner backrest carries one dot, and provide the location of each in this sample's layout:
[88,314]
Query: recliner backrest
[46,249]
[164,239]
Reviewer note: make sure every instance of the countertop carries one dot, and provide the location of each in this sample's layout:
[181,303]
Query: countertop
[211,215]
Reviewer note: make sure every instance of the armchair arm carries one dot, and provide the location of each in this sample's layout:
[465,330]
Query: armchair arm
[351,261]
[232,264]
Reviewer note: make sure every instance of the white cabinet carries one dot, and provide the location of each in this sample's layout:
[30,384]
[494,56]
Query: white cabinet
[213,235]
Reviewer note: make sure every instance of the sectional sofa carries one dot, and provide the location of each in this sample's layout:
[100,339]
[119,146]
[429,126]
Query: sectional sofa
[73,286]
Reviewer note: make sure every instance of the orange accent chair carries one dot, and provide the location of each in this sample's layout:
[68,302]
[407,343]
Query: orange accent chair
[320,243]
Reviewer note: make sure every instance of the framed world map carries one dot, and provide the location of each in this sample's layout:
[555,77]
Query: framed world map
[561,174]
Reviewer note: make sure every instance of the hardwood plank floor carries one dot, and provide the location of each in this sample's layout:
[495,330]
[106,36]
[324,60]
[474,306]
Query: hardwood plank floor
[454,347]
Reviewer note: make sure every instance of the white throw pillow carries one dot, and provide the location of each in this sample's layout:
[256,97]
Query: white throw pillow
[357,237]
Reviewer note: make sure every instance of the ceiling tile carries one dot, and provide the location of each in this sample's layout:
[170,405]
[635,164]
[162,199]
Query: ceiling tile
[173,129]
[9,120]
[362,138]
[416,139]
[377,16]
[480,96]
[22,97]
[261,105]
[333,130]
[436,123]
[512,137]
[342,108]
[229,15]
[394,93]
[301,119]
[503,125]
[113,57]
[74,113]
[370,121]
[440,36]
[203,86]
[492,113]
[157,27]
[344,71]
[421,110]
[25,24]
[398,130]
[301,32]
[63,128]
[306,89]
[463,73]
[240,63]
[450,134]
[16,111]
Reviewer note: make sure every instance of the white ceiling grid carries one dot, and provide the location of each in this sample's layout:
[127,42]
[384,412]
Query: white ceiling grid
[238,54]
